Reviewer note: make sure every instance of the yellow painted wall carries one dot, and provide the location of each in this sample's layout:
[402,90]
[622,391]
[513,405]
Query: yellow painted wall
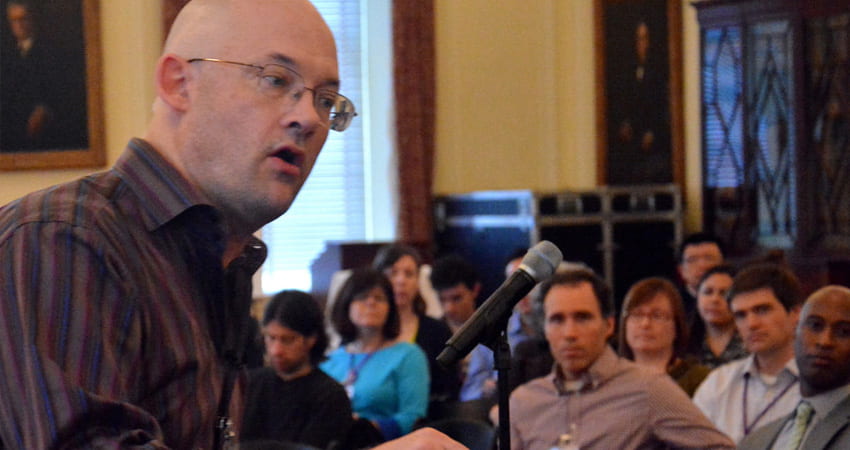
[131,39]
[515,103]
[516,97]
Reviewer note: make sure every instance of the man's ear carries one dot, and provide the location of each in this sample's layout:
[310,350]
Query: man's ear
[172,76]
[610,325]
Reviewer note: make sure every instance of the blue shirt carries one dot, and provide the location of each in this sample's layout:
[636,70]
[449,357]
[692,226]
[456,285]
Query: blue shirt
[481,364]
[391,384]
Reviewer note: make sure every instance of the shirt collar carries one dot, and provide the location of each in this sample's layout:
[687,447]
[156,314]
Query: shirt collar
[252,257]
[599,371]
[751,370]
[163,192]
[825,402]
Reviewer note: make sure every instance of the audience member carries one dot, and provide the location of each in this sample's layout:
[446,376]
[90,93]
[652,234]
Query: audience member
[457,285]
[292,400]
[596,398]
[714,338]
[654,334]
[697,253]
[386,379]
[401,264]
[480,382]
[742,395]
[822,349]
[531,357]
[129,290]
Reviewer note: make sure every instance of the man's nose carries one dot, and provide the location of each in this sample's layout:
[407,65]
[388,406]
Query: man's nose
[824,338]
[570,329]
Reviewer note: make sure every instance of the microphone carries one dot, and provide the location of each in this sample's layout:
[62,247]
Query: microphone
[537,265]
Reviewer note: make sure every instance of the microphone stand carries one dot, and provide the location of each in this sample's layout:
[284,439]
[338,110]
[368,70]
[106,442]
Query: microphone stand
[502,361]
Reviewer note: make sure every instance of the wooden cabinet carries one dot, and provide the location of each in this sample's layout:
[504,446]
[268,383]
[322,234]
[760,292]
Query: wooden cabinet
[624,233]
[775,79]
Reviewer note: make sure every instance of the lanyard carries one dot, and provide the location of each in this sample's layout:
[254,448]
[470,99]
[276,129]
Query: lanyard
[354,371]
[751,426]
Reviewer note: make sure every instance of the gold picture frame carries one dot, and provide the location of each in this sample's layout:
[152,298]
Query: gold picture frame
[69,132]
[639,92]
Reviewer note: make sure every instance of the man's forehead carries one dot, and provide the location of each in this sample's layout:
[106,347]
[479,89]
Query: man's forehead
[572,298]
[240,29]
[754,298]
[833,307]
[276,328]
[458,290]
[702,247]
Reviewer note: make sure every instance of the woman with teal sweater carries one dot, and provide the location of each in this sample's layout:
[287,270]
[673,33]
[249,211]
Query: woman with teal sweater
[387,381]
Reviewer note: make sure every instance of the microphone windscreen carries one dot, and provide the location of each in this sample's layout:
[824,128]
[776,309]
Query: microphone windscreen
[541,260]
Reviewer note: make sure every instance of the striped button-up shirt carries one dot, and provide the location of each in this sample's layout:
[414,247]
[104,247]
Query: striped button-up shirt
[117,320]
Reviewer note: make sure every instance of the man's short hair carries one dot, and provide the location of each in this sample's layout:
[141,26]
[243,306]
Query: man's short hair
[700,238]
[780,279]
[574,277]
[451,270]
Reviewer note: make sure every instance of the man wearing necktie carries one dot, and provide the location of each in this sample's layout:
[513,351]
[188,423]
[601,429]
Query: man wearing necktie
[822,349]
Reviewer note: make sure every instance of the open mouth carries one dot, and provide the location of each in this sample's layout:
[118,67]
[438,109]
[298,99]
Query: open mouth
[288,156]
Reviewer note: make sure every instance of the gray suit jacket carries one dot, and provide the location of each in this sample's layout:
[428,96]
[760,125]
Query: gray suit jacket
[833,432]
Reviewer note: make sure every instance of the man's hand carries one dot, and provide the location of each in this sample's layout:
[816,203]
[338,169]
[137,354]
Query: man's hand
[422,439]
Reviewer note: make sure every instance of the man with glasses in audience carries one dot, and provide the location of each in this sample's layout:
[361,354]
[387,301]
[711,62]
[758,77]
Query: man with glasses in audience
[593,398]
[821,420]
[697,253]
[124,296]
[742,395]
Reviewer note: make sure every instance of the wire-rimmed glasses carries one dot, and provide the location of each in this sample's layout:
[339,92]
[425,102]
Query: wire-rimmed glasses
[279,81]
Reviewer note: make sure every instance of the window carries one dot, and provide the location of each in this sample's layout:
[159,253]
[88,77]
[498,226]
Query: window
[347,196]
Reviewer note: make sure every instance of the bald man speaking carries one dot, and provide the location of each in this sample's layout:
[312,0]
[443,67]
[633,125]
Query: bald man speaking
[124,296]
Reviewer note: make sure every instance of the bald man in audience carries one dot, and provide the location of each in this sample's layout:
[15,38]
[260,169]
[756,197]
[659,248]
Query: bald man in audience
[821,421]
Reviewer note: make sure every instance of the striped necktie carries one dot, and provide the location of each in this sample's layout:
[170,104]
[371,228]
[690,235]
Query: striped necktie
[802,416]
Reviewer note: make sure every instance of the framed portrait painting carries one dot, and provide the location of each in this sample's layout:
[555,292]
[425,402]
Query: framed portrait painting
[639,98]
[51,105]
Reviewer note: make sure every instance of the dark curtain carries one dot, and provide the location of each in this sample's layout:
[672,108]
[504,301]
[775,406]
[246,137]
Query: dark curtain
[415,86]
[170,8]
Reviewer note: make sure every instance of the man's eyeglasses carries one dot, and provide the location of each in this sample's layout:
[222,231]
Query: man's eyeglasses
[278,81]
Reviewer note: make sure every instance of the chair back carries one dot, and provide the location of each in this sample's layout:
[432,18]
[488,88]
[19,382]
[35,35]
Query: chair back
[475,434]
[275,445]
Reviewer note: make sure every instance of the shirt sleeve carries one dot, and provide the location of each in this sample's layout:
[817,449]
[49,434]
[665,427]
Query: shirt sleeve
[706,393]
[480,369]
[333,412]
[67,329]
[413,386]
[678,422]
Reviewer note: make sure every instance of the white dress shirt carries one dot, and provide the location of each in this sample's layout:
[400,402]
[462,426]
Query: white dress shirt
[721,397]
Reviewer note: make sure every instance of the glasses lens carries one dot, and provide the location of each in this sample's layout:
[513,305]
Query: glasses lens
[278,81]
[342,114]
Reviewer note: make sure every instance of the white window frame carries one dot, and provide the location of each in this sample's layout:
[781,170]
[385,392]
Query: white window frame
[377,113]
